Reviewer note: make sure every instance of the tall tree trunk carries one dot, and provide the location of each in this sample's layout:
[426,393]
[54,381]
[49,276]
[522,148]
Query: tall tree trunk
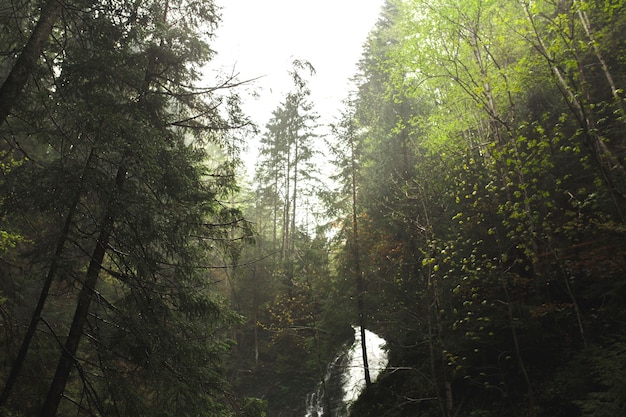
[287,206]
[255,306]
[68,355]
[433,357]
[433,307]
[603,156]
[24,65]
[518,353]
[86,294]
[43,295]
[294,203]
[584,19]
[360,282]
[275,220]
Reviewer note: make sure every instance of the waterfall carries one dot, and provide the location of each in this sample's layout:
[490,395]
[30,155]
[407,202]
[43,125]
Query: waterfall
[344,378]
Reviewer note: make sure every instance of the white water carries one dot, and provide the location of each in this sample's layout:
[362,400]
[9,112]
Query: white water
[348,365]
[376,359]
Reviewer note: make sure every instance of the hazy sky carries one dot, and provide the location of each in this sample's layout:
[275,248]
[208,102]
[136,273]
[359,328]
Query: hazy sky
[260,38]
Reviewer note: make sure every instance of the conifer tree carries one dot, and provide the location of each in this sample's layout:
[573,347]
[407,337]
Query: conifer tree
[286,166]
[128,154]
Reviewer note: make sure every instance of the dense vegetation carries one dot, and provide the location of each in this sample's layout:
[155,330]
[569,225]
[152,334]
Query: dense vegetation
[475,217]
[116,188]
[478,219]
[502,226]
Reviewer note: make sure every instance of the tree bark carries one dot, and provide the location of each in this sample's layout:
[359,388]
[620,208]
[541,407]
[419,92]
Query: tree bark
[518,353]
[16,80]
[584,19]
[43,295]
[360,284]
[68,356]
[603,156]
[16,367]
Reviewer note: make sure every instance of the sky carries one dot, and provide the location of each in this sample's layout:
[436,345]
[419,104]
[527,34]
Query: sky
[260,38]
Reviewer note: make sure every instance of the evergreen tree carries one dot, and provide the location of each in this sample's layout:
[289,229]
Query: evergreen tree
[286,170]
[123,179]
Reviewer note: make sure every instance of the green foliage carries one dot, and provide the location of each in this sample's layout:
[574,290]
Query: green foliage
[485,145]
[254,407]
[120,153]
[8,239]
[491,166]
[607,397]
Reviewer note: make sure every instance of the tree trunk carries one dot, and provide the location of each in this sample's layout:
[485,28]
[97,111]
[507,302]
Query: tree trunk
[432,357]
[255,316]
[603,156]
[16,80]
[68,355]
[584,19]
[287,207]
[518,353]
[36,316]
[294,204]
[43,295]
[275,220]
[360,284]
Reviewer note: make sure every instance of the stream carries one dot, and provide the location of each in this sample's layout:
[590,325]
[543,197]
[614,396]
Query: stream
[344,378]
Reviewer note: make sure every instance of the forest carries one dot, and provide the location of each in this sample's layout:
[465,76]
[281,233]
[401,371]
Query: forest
[467,205]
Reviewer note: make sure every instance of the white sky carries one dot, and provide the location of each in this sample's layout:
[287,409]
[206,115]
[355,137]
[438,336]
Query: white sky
[260,38]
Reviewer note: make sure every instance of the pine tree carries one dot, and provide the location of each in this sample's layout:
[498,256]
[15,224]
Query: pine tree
[127,155]
[286,169]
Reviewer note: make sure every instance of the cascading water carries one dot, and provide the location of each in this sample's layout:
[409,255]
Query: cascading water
[344,379]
